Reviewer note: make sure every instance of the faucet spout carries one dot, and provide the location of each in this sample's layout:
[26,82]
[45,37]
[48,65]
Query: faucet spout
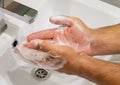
[18,10]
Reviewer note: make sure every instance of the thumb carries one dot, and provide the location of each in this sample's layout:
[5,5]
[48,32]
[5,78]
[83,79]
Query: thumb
[52,47]
[61,20]
[64,52]
[66,21]
[45,45]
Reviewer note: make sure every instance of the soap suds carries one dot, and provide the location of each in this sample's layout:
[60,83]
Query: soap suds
[39,58]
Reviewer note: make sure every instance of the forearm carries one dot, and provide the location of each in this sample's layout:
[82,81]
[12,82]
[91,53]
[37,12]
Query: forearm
[106,40]
[101,72]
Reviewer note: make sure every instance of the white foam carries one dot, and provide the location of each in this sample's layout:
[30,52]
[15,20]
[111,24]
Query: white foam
[40,58]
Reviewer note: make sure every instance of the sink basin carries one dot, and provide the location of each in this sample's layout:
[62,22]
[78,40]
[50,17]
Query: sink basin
[93,13]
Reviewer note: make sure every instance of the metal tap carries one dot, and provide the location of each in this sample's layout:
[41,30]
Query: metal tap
[18,10]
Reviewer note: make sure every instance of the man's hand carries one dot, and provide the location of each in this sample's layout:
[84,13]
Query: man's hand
[76,32]
[65,52]
[98,71]
[100,41]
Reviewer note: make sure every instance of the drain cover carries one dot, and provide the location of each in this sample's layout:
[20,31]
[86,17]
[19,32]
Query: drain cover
[40,74]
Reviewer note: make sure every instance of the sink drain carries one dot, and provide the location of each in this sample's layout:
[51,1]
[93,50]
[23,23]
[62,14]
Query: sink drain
[40,74]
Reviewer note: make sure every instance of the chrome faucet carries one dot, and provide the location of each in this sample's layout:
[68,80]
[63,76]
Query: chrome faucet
[18,10]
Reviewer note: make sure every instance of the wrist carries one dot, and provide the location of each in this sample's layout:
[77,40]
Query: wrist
[98,43]
[106,40]
[90,68]
[93,43]
[83,60]
[87,68]
[99,71]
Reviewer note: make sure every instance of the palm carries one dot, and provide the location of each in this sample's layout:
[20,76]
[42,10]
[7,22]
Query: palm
[77,38]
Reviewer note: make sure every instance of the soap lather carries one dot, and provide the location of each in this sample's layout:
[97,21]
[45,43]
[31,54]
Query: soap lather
[39,58]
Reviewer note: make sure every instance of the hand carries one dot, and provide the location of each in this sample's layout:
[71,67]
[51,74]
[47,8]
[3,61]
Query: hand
[69,54]
[76,33]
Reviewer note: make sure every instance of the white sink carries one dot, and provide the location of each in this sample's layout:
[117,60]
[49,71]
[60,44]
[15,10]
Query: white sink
[94,13]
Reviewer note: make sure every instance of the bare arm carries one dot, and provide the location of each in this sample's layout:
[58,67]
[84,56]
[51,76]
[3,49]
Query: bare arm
[107,40]
[99,71]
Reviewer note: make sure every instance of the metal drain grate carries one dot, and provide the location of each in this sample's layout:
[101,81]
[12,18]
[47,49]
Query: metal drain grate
[40,74]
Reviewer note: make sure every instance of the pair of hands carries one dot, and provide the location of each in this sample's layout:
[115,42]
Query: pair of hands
[76,32]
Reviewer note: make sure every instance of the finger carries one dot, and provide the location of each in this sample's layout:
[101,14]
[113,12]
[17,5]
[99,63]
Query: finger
[61,20]
[47,45]
[76,20]
[58,50]
[44,34]
[34,44]
[37,44]
[52,47]
[66,20]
